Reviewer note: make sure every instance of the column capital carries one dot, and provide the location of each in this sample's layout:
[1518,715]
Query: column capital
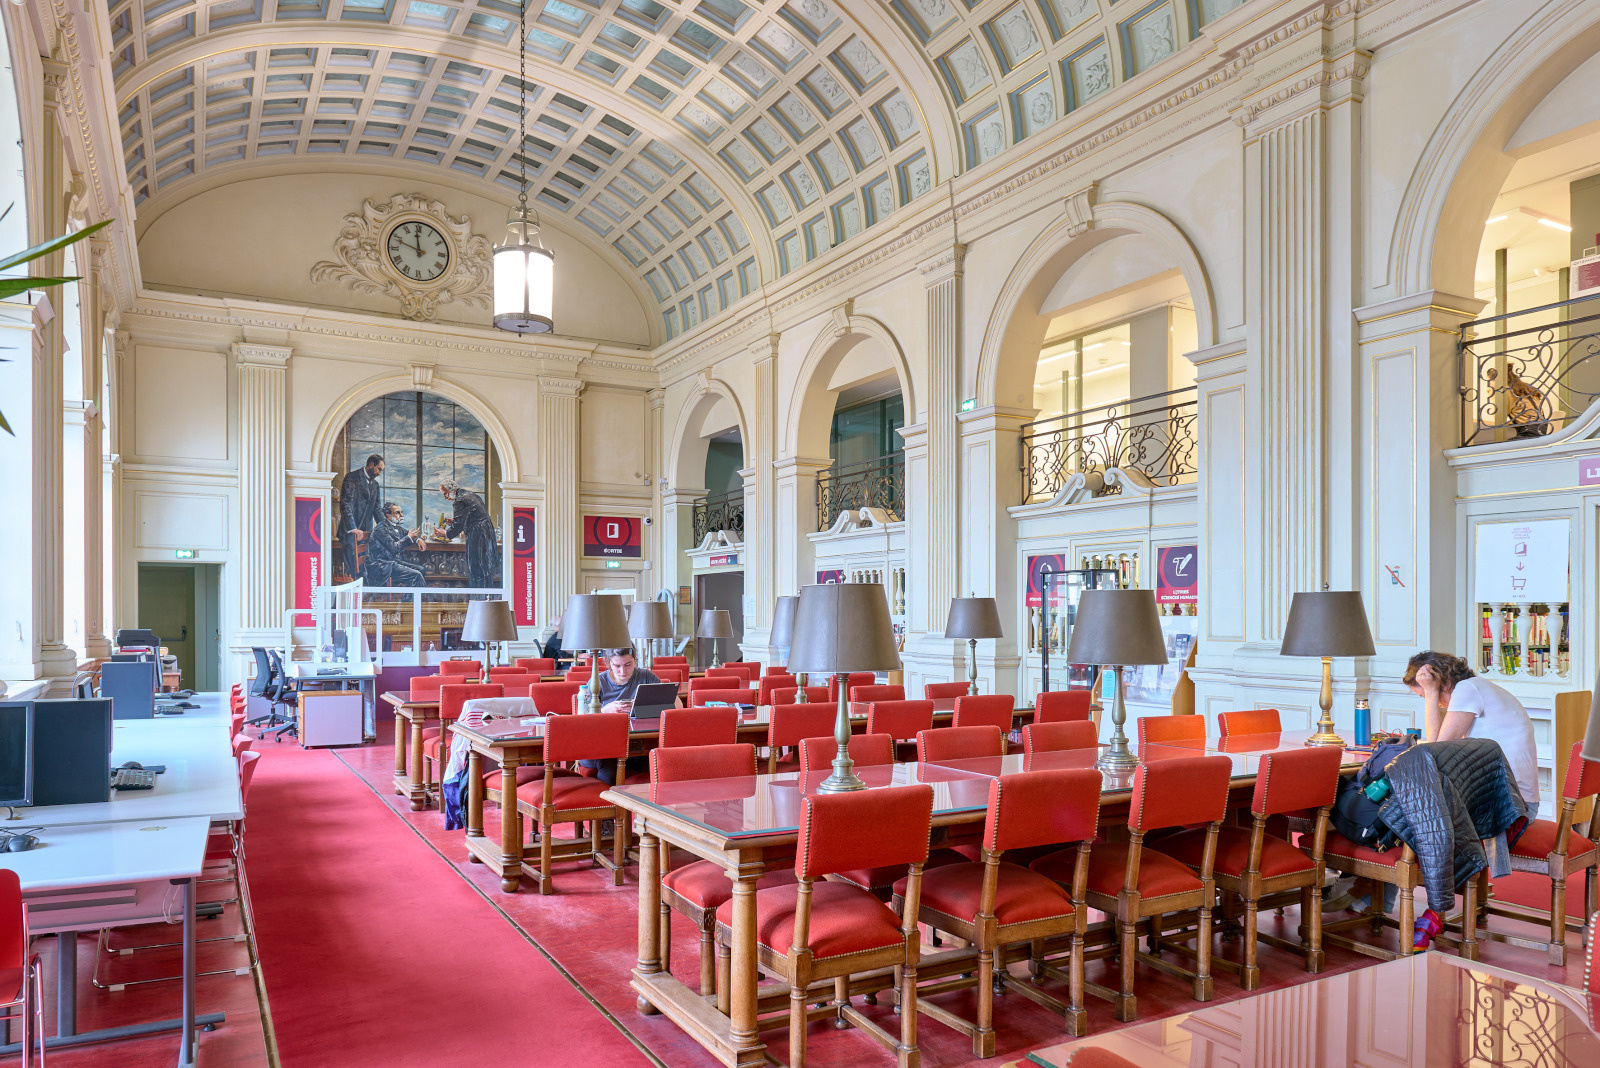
[563,386]
[1431,307]
[914,435]
[249,352]
[1218,361]
[765,347]
[1324,82]
[943,265]
[994,417]
[794,466]
[656,398]
[311,481]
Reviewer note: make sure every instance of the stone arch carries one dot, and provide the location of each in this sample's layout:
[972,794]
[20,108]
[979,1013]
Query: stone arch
[688,456]
[340,411]
[1016,330]
[811,405]
[1464,166]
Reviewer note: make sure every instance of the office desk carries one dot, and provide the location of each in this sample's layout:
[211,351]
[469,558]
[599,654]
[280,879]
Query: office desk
[363,677]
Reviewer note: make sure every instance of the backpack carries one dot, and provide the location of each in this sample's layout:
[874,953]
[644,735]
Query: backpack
[1355,815]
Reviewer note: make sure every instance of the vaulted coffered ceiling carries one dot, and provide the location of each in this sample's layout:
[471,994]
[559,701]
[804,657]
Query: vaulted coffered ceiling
[710,146]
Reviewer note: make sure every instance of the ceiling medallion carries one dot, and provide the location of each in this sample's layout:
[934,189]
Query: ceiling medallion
[363,261]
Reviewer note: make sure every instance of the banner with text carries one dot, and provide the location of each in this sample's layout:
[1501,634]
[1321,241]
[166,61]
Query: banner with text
[611,535]
[1036,564]
[1178,574]
[522,569]
[1524,561]
[307,555]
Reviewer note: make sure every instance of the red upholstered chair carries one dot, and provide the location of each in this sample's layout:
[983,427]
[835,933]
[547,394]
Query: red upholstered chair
[436,740]
[505,669]
[876,692]
[1249,721]
[789,725]
[236,723]
[856,678]
[1591,972]
[21,975]
[515,680]
[1256,864]
[242,743]
[997,709]
[670,661]
[577,674]
[1130,883]
[900,720]
[1063,706]
[959,743]
[1058,736]
[701,698]
[670,673]
[933,691]
[426,687]
[537,665]
[775,669]
[994,903]
[830,930]
[816,754]
[785,695]
[707,682]
[1170,730]
[576,798]
[460,667]
[750,669]
[770,683]
[699,726]
[1555,850]
[726,672]
[553,698]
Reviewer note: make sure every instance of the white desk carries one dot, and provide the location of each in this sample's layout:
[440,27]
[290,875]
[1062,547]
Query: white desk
[214,711]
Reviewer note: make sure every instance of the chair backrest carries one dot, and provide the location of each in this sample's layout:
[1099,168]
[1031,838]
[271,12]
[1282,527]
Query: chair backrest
[1248,721]
[1179,792]
[553,698]
[708,682]
[247,772]
[262,683]
[863,829]
[725,672]
[865,749]
[1162,730]
[506,669]
[13,923]
[452,695]
[855,678]
[770,683]
[537,665]
[996,708]
[514,680]
[750,669]
[785,695]
[1054,737]
[699,726]
[900,720]
[1583,776]
[426,687]
[460,667]
[236,722]
[959,743]
[944,690]
[670,661]
[877,692]
[242,744]
[1294,780]
[1062,706]
[702,762]
[775,669]
[670,673]
[602,736]
[791,724]
[1035,808]
[577,674]
[701,698]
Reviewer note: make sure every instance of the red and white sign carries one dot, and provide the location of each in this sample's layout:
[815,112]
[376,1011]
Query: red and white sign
[522,570]
[1054,562]
[830,577]
[728,560]
[1589,471]
[307,555]
[1178,574]
[611,535]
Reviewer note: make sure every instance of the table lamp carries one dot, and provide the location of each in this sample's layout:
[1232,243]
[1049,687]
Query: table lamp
[491,623]
[839,629]
[714,624]
[594,622]
[782,637]
[647,621]
[973,618]
[1117,629]
[1327,623]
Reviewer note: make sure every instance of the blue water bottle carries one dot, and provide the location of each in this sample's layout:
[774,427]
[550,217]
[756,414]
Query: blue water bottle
[1363,722]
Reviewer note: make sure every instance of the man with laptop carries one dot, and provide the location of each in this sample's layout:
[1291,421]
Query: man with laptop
[627,687]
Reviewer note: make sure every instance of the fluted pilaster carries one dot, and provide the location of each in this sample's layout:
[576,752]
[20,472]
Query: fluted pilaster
[942,276]
[262,374]
[557,566]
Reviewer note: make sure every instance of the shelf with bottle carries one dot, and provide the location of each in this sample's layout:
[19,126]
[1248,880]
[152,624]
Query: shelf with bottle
[1542,623]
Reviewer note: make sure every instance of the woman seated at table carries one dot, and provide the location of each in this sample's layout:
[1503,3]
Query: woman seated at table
[619,685]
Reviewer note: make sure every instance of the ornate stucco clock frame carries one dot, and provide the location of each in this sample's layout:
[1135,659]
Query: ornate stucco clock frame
[362,261]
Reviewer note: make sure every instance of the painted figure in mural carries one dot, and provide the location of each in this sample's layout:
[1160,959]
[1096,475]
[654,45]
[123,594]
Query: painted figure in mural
[359,498]
[385,545]
[471,517]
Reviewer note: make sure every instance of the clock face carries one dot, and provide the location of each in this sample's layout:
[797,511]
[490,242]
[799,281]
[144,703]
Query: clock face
[418,251]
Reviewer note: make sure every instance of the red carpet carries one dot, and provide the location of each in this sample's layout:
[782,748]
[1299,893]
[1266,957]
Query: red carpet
[378,953]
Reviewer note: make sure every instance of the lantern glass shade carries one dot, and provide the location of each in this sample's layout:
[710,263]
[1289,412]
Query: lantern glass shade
[524,278]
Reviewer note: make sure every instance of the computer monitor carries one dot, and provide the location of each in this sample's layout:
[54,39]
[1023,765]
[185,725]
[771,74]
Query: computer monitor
[133,658]
[71,752]
[16,753]
[138,638]
[131,688]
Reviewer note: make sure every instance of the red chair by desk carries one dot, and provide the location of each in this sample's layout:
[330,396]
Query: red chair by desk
[994,903]
[576,798]
[1058,736]
[242,744]
[670,673]
[1130,883]
[728,673]
[516,683]
[935,691]
[537,665]
[774,669]
[785,695]
[681,727]
[996,708]
[1249,721]
[461,667]
[769,683]
[789,725]
[750,669]
[959,743]
[1256,864]
[877,692]
[1062,706]
[426,687]
[670,661]
[436,740]
[856,678]
[577,674]
[866,750]
[21,975]
[817,931]
[900,720]
[553,698]
[1169,730]
[703,697]
[709,682]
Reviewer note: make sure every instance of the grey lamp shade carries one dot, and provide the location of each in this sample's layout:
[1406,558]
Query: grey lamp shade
[973,617]
[1327,623]
[595,621]
[842,628]
[489,621]
[1117,627]
[714,623]
[783,622]
[650,619]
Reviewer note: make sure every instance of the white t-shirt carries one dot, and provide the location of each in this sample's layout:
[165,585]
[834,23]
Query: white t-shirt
[1500,716]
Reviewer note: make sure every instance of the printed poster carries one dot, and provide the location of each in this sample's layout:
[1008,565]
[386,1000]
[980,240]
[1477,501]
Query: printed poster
[832,577]
[611,535]
[307,555]
[522,560]
[1037,564]
[1178,574]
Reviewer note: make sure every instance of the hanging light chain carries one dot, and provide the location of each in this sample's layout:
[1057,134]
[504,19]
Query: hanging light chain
[522,108]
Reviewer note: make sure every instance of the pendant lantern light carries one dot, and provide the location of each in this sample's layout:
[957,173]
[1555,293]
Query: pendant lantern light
[524,270]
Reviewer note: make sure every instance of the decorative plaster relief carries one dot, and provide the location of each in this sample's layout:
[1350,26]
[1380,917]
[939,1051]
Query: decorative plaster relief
[362,265]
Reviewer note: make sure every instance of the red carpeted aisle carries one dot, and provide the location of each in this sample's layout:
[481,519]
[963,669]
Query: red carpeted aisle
[377,953]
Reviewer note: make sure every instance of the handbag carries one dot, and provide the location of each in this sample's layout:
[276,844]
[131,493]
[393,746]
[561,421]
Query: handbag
[1355,814]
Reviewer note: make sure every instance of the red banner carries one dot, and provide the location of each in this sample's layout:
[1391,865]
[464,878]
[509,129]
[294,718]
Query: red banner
[1178,574]
[1054,562]
[522,570]
[611,535]
[307,555]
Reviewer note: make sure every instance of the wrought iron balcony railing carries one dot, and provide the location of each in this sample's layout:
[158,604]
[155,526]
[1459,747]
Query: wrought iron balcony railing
[879,483]
[1527,373]
[719,511]
[1154,436]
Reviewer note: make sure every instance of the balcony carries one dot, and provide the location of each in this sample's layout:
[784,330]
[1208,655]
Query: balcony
[1153,436]
[879,483]
[1527,373]
[720,511]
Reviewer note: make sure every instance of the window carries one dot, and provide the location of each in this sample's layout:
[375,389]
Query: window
[867,431]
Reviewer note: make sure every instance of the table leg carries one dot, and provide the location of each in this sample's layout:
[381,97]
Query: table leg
[649,907]
[66,983]
[400,723]
[742,971]
[510,827]
[414,735]
[474,796]
[186,1037]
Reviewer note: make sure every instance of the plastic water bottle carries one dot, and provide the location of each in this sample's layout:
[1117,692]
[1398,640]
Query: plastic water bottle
[583,697]
[1363,722]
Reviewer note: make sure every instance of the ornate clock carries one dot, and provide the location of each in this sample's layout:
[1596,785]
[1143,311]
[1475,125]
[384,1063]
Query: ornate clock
[410,248]
[417,251]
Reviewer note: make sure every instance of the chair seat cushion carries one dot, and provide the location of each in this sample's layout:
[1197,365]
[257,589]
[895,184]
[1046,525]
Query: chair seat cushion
[1233,852]
[706,886]
[1539,840]
[431,732]
[430,747]
[1020,895]
[1337,845]
[884,877]
[567,792]
[1159,874]
[525,773]
[845,919]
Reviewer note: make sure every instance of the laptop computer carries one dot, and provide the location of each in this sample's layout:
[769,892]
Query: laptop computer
[654,698]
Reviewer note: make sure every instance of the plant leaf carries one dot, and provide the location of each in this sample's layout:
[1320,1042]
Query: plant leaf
[5,425]
[10,287]
[52,245]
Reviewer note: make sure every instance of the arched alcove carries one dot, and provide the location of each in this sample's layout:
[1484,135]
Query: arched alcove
[714,411]
[856,352]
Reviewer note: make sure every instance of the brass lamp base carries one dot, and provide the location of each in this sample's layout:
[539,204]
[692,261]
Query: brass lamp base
[844,779]
[1117,759]
[1326,735]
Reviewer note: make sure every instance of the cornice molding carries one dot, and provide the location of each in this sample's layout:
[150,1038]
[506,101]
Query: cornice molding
[560,387]
[245,352]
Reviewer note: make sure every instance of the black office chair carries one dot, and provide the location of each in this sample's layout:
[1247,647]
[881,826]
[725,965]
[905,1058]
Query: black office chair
[265,686]
[285,696]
